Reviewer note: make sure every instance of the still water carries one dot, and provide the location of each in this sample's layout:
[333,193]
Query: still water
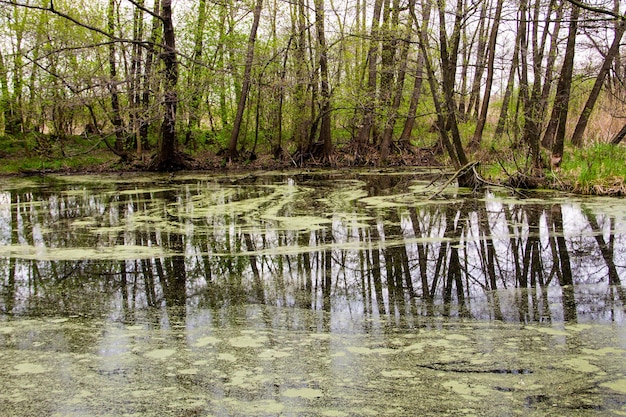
[307,293]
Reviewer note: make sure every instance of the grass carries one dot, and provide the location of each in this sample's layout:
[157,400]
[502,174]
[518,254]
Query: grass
[28,153]
[598,169]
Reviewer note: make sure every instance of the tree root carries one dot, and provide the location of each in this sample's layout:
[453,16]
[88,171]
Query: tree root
[177,162]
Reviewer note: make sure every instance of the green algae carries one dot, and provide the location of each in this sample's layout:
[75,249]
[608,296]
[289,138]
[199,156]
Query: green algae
[160,353]
[307,393]
[29,368]
[112,348]
[253,369]
[116,252]
[206,340]
[618,385]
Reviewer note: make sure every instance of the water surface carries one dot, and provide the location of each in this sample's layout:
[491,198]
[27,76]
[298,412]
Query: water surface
[329,293]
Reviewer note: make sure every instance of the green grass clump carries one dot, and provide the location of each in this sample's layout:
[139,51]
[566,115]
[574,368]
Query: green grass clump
[598,169]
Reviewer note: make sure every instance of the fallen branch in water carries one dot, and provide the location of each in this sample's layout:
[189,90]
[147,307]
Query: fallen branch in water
[478,181]
[464,170]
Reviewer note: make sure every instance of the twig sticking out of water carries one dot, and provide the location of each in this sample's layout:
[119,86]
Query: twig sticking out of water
[478,180]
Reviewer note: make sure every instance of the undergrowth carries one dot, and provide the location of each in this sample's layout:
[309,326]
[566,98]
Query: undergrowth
[597,169]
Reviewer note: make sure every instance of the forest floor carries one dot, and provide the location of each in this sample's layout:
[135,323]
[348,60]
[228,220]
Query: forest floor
[492,171]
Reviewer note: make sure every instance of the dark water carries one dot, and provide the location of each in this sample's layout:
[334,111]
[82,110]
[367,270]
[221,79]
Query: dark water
[307,293]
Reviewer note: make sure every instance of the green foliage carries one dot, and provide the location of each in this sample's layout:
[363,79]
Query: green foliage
[36,152]
[600,165]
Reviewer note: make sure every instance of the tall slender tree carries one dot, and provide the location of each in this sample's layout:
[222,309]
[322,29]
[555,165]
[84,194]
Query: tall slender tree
[245,87]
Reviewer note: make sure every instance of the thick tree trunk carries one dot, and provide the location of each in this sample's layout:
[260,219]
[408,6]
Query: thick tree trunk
[449,53]
[300,117]
[168,158]
[392,114]
[148,76]
[389,34]
[135,75]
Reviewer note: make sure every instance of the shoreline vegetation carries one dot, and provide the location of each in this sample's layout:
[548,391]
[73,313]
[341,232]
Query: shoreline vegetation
[595,170]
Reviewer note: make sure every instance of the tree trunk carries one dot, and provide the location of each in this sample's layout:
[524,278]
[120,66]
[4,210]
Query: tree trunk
[542,99]
[504,110]
[325,127]
[392,114]
[577,137]
[561,101]
[116,118]
[135,81]
[448,68]
[531,130]
[148,77]
[442,113]
[369,96]
[5,107]
[481,53]
[419,71]
[619,136]
[491,51]
[245,87]
[195,85]
[168,158]
[389,43]
[300,119]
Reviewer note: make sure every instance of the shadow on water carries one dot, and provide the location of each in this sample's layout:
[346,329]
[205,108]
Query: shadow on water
[310,256]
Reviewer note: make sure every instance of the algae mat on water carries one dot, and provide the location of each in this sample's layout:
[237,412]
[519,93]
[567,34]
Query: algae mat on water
[265,361]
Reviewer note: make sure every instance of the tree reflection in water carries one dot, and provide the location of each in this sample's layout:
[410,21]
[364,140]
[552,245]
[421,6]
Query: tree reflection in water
[364,245]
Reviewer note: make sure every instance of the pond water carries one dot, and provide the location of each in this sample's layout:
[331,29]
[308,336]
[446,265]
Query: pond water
[321,293]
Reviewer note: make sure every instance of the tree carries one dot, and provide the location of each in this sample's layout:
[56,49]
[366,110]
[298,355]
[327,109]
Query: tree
[369,93]
[325,108]
[194,79]
[561,100]
[581,125]
[419,72]
[491,53]
[168,157]
[116,117]
[397,91]
[245,87]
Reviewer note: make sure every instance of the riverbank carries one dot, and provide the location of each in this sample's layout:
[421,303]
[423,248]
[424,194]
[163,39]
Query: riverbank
[595,170]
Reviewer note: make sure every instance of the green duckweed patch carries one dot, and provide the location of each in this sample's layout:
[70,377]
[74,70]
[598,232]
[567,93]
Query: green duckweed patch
[449,368]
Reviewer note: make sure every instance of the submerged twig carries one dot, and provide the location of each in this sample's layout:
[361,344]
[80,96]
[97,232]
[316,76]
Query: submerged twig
[462,171]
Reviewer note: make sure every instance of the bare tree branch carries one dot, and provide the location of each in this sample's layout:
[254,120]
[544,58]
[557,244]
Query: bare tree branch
[597,9]
[145,10]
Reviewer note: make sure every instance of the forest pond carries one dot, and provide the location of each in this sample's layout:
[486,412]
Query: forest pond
[320,293]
